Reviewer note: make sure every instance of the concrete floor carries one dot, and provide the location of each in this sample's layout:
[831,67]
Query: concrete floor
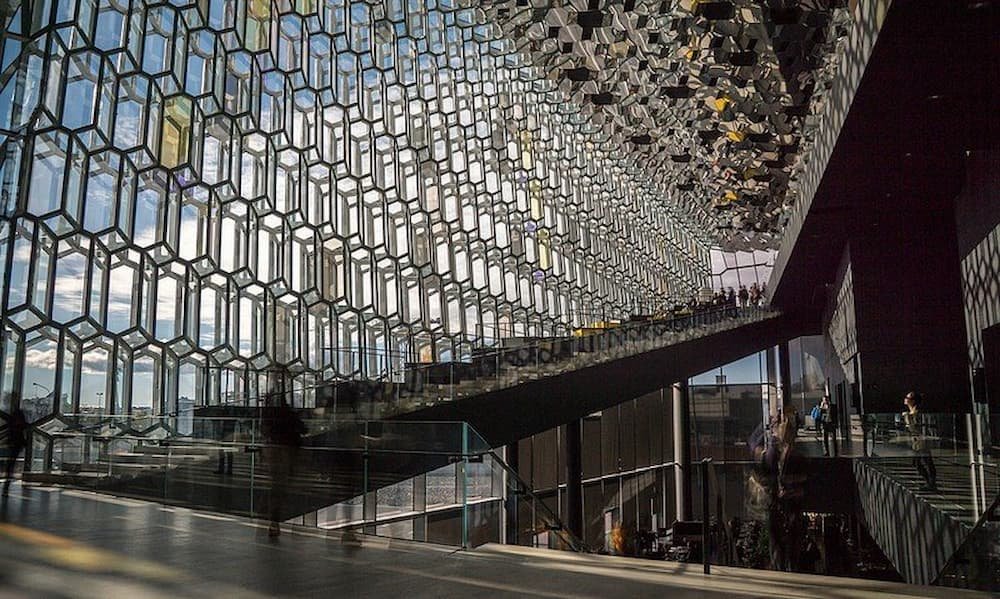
[63,543]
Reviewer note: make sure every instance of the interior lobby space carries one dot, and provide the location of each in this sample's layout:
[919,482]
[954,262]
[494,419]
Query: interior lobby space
[110,547]
[557,298]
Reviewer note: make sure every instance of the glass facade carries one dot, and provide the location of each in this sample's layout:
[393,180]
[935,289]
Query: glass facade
[741,269]
[198,197]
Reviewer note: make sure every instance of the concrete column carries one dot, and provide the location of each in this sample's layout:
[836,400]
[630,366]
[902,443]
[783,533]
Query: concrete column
[682,451]
[784,374]
[420,505]
[512,496]
[370,511]
[574,478]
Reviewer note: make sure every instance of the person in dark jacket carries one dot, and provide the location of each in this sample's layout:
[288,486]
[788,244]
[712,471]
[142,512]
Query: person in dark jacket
[17,440]
[284,430]
[917,425]
[830,420]
[744,296]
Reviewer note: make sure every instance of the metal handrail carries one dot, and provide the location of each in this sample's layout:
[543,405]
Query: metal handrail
[988,515]
[570,537]
[686,321]
[706,564]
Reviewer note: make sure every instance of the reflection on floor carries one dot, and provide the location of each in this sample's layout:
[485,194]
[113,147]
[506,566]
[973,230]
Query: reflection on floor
[63,543]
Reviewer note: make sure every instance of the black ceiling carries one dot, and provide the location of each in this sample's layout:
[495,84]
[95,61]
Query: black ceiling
[927,97]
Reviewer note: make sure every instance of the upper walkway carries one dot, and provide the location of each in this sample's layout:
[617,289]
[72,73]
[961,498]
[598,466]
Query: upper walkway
[63,543]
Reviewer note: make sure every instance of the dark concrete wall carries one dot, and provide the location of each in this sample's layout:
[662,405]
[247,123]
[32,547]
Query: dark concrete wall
[888,193]
[908,305]
[977,215]
[896,308]
[977,209]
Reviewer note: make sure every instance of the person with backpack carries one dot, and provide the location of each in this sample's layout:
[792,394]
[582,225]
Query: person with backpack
[817,416]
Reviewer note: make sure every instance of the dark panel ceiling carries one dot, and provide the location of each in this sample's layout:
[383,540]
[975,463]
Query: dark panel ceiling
[928,96]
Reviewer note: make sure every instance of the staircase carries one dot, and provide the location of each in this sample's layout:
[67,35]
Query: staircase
[515,361]
[926,532]
[976,564]
[527,385]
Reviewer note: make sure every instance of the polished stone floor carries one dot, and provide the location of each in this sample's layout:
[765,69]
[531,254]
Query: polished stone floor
[64,543]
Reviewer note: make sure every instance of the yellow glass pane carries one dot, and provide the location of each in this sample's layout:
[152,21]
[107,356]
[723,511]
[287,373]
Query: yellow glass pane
[305,7]
[526,157]
[258,24]
[259,10]
[535,196]
[544,250]
[175,139]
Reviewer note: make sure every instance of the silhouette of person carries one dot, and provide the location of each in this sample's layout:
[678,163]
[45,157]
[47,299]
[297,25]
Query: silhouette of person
[917,426]
[284,430]
[17,440]
[831,419]
[785,522]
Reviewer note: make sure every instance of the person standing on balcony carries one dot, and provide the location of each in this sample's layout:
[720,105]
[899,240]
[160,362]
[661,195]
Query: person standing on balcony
[17,440]
[916,424]
[754,294]
[829,416]
[744,296]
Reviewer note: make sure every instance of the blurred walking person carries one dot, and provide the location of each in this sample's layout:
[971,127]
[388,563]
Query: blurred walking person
[17,440]
[284,431]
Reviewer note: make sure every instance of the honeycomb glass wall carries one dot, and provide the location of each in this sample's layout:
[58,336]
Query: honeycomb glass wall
[199,195]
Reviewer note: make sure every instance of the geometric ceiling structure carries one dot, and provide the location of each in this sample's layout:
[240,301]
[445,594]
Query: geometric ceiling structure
[714,102]
[197,194]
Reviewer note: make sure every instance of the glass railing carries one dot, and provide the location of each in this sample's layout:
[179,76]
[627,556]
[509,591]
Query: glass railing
[388,383]
[434,481]
[513,361]
[530,519]
[942,457]
[940,467]
[976,564]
